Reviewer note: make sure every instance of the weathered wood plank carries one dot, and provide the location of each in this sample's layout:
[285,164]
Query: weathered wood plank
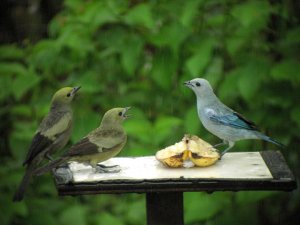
[235,172]
[277,165]
[246,165]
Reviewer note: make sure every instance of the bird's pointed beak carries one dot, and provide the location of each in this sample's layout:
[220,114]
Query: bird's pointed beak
[75,89]
[126,116]
[188,84]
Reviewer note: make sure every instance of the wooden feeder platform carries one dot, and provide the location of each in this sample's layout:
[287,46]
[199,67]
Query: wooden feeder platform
[164,187]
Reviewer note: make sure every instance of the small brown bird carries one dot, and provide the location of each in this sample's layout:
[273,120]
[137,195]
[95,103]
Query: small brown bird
[99,145]
[53,134]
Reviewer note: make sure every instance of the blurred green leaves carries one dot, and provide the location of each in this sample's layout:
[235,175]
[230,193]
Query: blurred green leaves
[164,68]
[287,70]
[73,215]
[202,207]
[252,13]
[12,69]
[140,15]
[24,82]
[138,53]
[131,50]
[8,52]
[202,55]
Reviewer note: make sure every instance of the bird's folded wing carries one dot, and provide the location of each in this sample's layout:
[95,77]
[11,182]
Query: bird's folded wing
[50,129]
[233,120]
[83,147]
[96,143]
[38,144]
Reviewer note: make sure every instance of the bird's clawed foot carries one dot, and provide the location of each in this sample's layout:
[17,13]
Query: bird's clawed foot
[230,145]
[48,156]
[100,168]
[218,145]
[221,154]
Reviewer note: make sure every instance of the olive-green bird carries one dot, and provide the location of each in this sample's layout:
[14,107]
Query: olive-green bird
[99,145]
[53,134]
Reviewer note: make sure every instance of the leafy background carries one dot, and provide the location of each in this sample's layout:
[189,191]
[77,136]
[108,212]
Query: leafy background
[138,53]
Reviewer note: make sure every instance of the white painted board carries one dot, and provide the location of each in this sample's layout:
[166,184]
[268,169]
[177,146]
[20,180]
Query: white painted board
[236,165]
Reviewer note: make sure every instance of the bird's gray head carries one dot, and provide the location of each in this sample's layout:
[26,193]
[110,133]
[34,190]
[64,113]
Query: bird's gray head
[200,86]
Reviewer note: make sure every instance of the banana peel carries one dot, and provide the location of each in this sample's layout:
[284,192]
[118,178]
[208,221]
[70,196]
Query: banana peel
[190,148]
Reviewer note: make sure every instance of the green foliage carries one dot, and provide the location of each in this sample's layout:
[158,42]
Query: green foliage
[138,53]
[202,207]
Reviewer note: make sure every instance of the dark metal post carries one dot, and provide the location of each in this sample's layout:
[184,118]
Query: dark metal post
[164,208]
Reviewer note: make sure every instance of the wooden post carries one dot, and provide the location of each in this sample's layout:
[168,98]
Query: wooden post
[164,208]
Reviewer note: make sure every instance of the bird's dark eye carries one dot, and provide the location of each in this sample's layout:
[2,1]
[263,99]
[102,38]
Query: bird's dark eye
[120,113]
[68,95]
[198,84]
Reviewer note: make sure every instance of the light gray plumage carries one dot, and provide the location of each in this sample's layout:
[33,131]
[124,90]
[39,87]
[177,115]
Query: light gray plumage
[220,120]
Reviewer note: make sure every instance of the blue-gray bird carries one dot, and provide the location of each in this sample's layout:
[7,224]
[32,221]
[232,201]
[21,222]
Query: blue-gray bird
[222,121]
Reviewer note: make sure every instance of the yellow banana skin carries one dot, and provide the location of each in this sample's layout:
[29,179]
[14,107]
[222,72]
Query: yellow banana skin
[191,148]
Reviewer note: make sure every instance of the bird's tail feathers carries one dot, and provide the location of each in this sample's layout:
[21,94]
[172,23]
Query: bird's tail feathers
[49,166]
[19,194]
[267,138]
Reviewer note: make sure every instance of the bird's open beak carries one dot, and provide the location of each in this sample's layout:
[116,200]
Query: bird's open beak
[126,116]
[75,89]
[188,83]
